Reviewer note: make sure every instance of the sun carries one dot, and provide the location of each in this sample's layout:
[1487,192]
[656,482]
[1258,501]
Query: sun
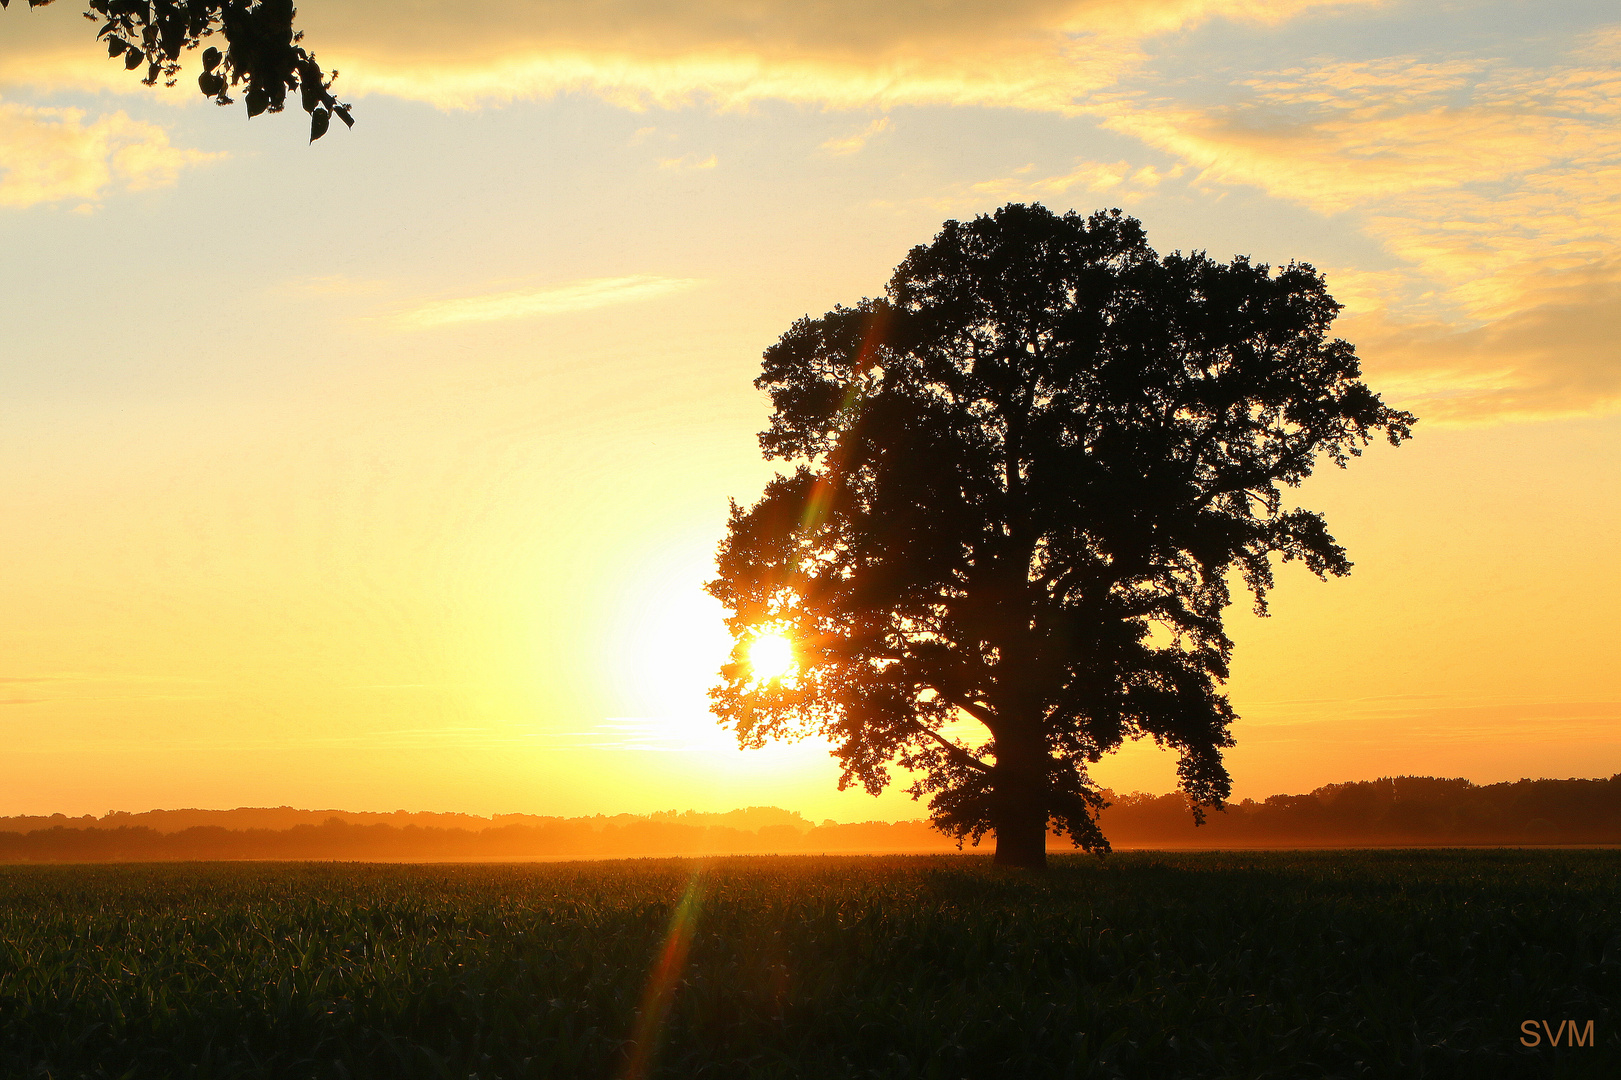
[771,656]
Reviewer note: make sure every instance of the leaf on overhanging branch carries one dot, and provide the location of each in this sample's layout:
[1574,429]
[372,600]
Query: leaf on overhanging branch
[173,36]
[319,120]
[310,88]
[156,32]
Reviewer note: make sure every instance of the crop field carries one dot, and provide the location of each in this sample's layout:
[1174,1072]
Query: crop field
[1208,965]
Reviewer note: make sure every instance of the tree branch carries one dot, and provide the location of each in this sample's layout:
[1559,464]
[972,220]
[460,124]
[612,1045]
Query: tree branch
[953,751]
[977,711]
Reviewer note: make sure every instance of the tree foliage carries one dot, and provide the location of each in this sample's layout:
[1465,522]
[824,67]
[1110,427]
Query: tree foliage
[1024,477]
[263,58]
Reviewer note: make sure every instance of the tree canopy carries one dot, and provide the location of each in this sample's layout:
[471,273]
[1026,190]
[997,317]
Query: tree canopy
[262,54]
[1024,477]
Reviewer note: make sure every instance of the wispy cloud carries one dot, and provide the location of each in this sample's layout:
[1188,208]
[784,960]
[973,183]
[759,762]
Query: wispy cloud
[661,734]
[1482,175]
[850,144]
[1555,354]
[688,163]
[843,53]
[46,51]
[1496,188]
[542,300]
[1115,179]
[1490,184]
[52,155]
[1450,720]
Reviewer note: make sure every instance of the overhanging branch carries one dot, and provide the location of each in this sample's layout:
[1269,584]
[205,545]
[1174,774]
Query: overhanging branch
[953,751]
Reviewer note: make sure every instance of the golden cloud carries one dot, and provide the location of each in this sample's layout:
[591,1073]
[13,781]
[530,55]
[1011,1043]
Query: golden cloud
[688,163]
[850,53]
[851,144]
[1040,54]
[1555,355]
[53,48]
[56,155]
[1498,189]
[1116,179]
[1484,195]
[545,300]
[1486,181]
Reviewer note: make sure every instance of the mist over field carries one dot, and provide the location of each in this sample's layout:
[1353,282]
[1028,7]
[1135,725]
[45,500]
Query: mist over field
[1401,811]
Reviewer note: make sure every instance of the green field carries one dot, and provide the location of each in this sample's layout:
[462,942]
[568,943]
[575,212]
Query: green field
[1315,964]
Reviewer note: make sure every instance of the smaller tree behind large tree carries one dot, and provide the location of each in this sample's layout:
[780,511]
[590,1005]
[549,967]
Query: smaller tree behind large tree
[1026,475]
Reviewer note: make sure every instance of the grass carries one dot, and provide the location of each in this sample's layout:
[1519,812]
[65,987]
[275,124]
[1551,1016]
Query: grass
[1208,965]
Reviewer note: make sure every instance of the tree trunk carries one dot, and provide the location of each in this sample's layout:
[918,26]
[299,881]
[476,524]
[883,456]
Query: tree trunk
[1019,802]
[1021,844]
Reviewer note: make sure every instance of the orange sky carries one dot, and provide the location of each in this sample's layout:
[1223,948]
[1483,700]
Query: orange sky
[386,472]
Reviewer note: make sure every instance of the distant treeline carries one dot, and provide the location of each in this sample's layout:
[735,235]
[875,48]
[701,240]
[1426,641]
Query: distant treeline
[1400,810]
[1404,810]
[578,838]
[750,819]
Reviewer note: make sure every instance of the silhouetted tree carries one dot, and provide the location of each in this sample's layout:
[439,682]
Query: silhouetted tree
[1028,471]
[262,52]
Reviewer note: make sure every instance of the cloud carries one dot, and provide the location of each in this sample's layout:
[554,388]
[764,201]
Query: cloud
[660,734]
[1484,181]
[844,53]
[52,48]
[1047,55]
[546,300]
[688,163]
[1483,177]
[1497,189]
[55,155]
[850,144]
[1555,355]
[1116,178]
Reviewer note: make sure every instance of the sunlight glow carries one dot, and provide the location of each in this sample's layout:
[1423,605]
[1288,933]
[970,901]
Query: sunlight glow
[771,656]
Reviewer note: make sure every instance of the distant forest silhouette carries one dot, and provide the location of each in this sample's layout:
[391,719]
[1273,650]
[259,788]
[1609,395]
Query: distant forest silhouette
[1404,810]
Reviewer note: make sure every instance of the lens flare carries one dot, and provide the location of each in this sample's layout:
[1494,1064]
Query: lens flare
[662,982]
[771,656]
